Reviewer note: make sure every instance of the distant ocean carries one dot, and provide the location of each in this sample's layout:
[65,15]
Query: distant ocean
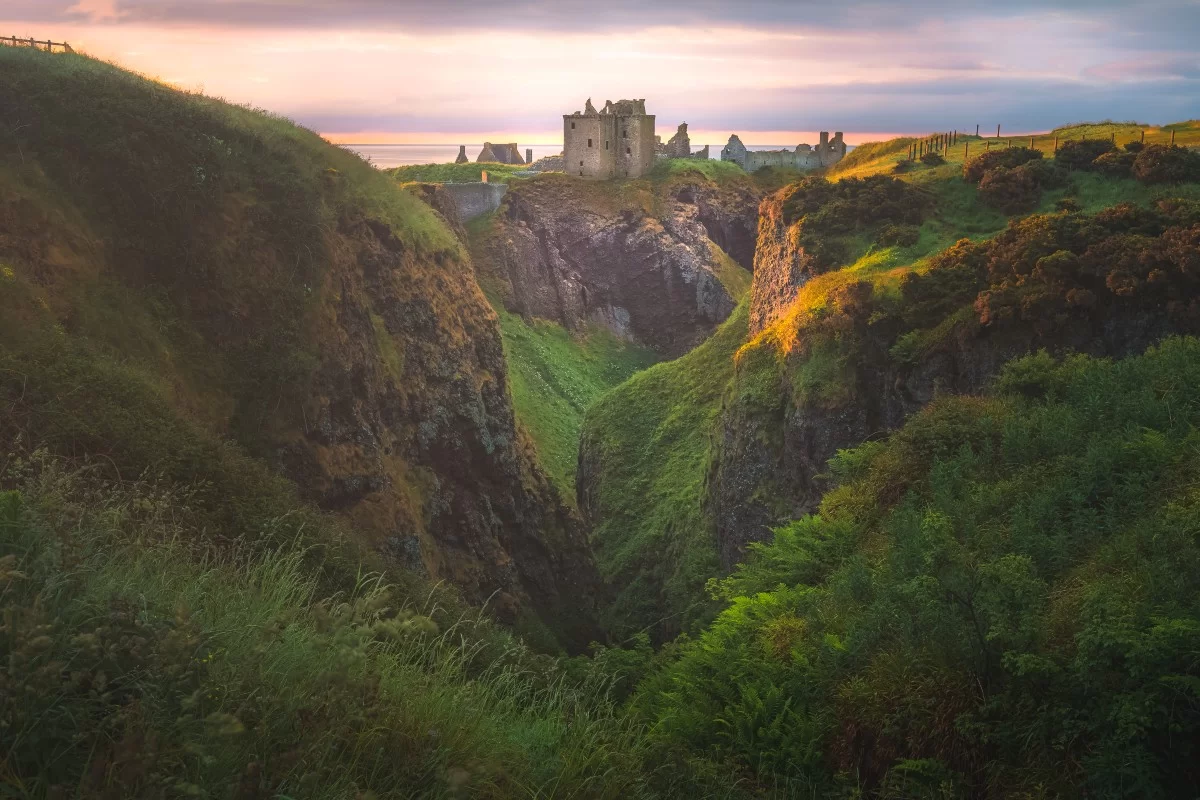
[385,156]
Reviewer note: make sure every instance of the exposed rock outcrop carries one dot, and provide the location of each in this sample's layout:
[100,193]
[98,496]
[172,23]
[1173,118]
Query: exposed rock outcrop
[636,259]
[778,432]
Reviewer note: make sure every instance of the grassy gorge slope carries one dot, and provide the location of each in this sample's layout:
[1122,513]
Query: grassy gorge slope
[988,603]
[186,284]
[1002,599]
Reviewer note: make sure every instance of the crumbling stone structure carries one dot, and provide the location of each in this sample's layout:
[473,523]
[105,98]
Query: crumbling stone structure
[804,157]
[679,146]
[462,155]
[615,142]
[500,153]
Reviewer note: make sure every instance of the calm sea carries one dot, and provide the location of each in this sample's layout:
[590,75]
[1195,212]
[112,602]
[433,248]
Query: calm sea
[396,155]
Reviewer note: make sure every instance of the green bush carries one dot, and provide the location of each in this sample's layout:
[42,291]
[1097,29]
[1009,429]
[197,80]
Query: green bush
[1166,164]
[1114,163]
[1011,191]
[1080,154]
[1008,157]
[899,235]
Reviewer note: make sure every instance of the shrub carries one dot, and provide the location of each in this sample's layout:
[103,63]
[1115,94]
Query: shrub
[1114,163]
[1010,190]
[899,235]
[1009,157]
[1079,154]
[1134,147]
[933,159]
[1166,164]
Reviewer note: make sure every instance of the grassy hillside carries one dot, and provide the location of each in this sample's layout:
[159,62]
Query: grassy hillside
[648,442]
[874,158]
[555,377]
[140,663]
[1002,598]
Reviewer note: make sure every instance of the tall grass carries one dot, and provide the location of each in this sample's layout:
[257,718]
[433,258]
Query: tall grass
[139,663]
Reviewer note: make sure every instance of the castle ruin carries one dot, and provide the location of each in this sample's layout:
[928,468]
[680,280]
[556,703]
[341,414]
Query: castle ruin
[614,142]
[804,157]
[500,154]
[679,146]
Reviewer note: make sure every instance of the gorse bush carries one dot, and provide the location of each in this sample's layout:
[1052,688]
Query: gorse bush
[1010,190]
[1002,597]
[1081,154]
[1166,164]
[827,214]
[1008,157]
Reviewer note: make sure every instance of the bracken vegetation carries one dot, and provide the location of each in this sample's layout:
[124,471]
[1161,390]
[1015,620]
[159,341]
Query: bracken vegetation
[1003,598]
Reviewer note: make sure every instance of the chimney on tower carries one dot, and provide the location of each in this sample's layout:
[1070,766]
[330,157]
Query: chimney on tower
[528,155]
[824,139]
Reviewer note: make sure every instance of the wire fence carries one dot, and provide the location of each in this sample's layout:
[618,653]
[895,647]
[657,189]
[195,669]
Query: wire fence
[955,145]
[36,44]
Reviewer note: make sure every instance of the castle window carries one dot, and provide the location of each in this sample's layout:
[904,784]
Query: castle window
[628,151]
[572,126]
[624,134]
[581,163]
[606,145]
[589,142]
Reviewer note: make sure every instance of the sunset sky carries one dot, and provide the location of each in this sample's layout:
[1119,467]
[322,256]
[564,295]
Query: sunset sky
[464,71]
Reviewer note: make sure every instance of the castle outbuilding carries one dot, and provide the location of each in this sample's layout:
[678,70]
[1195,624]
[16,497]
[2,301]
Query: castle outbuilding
[614,142]
[825,154]
[500,154]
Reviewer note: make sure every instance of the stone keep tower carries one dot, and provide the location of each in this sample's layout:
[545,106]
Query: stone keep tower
[615,142]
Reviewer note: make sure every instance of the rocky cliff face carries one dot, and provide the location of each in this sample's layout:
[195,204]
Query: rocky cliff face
[781,266]
[636,257]
[408,429]
[281,295]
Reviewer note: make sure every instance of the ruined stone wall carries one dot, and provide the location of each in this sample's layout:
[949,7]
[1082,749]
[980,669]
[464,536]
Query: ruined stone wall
[473,200]
[804,157]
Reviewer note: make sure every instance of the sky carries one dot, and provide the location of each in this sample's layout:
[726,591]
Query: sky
[773,71]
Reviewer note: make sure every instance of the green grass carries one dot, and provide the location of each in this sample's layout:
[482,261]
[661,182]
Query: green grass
[1001,598]
[555,378]
[649,439]
[665,169]
[139,665]
[454,173]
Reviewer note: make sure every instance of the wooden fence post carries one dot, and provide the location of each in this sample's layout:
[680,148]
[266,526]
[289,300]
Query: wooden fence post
[1031,143]
[966,149]
[1143,136]
[987,144]
[1172,138]
[1056,144]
